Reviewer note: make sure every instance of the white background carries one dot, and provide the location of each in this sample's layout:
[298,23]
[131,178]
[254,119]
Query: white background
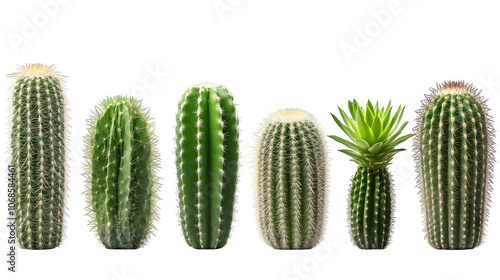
[270,55]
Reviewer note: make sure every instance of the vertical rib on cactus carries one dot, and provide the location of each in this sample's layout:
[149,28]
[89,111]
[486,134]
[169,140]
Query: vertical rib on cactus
[374,135]
[38,153]
[454,155]
[291,181]
[371,208]
[207,164]
[121,163]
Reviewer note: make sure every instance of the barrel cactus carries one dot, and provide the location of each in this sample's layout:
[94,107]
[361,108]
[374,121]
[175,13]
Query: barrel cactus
[207,164]
[374,137]
[121,165]
[38,153]
[291,180]
[454,155]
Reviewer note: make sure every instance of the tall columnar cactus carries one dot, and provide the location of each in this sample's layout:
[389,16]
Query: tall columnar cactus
[454,156]
[38,152]
[291,181]
[121,163]
[374,136]
[207,164]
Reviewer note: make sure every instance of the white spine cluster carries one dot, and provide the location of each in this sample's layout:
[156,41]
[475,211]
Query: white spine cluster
[291,167]
[38,152]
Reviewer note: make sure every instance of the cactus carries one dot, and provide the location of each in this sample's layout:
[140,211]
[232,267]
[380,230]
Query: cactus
[454,156]
[291,181]
[207,164]
[121,165]
[38,152]
[374,135]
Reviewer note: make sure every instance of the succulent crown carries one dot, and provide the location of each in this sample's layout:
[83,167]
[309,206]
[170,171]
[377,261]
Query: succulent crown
[373,133]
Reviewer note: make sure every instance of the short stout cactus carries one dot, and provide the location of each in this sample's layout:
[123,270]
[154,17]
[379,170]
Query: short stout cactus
[291,180]
[454,156]
[121,163]
[373,134]
[207,164]
[38,152]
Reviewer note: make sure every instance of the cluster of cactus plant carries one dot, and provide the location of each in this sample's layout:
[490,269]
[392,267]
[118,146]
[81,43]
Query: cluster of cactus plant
[207,164]
[454,158]
[38,153]
[453,152]
[291,180]
[121,163]
[374,133]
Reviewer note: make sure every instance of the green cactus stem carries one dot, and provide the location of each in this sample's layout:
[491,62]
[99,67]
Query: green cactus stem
[121,165]
[373,135]
[291,181]
[38,152]
[454,155]
[207,164]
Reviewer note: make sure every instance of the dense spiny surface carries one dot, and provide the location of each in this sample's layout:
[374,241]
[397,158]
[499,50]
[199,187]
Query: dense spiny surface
[38,153]
[207,165]
[371,208]
[121,163]
[291,189]
[453,158]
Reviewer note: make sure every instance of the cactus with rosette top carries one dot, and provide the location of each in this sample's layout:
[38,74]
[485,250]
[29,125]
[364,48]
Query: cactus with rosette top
[374,137]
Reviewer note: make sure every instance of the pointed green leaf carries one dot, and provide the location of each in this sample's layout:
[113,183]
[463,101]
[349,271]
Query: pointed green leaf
[352,110]
[369,105]
[387,117]
[363,144]
[375,148]
[377,127]
[347,143]
[397,122]
[388,128]
[349,132]
[364,130]
[348,121]
[369,116]
[394,136]
[352,154]
[398,141]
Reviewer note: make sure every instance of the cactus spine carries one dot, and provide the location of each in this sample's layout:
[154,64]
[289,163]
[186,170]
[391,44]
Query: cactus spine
[374,135]
[38,152]
[454,156]
[207,164]
[121,163]
[291,181]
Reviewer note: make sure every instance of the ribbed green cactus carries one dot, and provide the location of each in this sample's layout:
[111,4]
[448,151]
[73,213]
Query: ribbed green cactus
[374,135]
[121,163]
[454,156]
[291,181]
[38,152]
[207,164]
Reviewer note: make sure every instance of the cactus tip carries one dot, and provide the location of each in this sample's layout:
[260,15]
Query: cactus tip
[37,70]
